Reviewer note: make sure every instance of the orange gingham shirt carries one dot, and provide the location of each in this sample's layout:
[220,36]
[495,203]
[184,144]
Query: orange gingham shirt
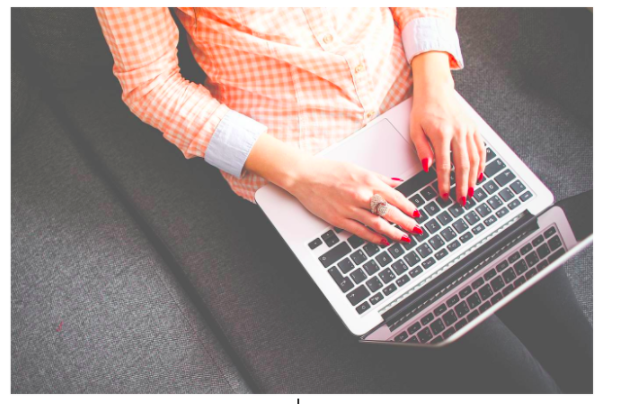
[308,76]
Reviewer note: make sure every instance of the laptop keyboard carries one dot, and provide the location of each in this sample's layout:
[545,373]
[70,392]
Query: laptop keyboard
[479,293]
[367,273]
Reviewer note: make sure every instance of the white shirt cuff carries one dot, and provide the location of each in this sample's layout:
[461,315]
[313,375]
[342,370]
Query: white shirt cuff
[431,34]
[232,142]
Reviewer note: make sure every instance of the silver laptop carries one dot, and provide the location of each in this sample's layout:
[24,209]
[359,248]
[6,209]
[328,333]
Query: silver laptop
[469,262]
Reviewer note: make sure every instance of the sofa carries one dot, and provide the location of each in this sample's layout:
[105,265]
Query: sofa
[134,270]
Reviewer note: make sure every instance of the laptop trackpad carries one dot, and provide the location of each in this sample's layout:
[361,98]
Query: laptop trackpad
[379,148]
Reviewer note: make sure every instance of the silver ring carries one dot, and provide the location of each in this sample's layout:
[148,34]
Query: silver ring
[379,206]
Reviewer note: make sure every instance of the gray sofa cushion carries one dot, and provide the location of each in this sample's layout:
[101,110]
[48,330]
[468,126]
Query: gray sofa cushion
[94,309]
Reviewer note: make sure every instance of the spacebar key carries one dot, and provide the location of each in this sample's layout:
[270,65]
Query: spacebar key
[418,181]
[334,254]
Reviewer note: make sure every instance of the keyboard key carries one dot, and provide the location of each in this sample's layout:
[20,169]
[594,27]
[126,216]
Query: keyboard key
[506,194]
[417,200]
[363,308]
[505,177]
[422,218]
[494,167]
[336,274]
[531,273]
[525,249]
[470,204]
[448,333]
[509,275]
[484,307]
[448,234]
[502,265]
[396,250]
[389,289]
[460,324]
[526,196]
[421,237]
[477,229]
[456,210]
[465,237]
[496,298]
[550,232]
[358,257]
[514,204]
[371,267]
[371,249]
[494,202]
[520,267]
[437,327]
[427,319]
[376,298]
[554,242]
[486,292]
[490,274]
[387,276]
[541,265]
[425,335]
[543,251]
[483,210]
[497,283]
[454,245]
[428,193]
[357,295]
[460,225]
[374,284]
[461,309]
[383,259]
[477,283]
[472,218]
[410,244]
[514,257]
[502,212]
[315,243]
[334,254]
[449,318]
[416,271]
[330,238]
[440,309]
[466,291]
[519,281]
[517,187]
[399,267]
[441,254]
[358,276]
[401,337]
[402,280]
[537,240]
[424,250]
[444,218]
[473,315]
[432,226]
[490,154]
[491,187]
[532,259]
[556,255]
[507,290]
[412,258]
[490,220]
[474,300]
[453,300]
[414,328]
[444,203]
[479,194]
[428,263]
[436,242]
[345,265]
[413,340]
[355,241]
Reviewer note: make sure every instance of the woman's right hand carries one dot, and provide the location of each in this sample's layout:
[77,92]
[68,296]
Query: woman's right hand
[340,194]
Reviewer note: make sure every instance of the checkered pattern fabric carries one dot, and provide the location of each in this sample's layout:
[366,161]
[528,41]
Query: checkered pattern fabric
[313,76]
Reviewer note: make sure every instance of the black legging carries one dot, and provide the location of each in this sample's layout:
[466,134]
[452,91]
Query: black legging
[539,343]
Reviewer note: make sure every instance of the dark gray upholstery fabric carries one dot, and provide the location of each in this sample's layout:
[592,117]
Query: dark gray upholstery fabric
[274,317]
[79,260]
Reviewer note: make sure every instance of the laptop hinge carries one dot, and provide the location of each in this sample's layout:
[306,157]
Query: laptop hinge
[416,302]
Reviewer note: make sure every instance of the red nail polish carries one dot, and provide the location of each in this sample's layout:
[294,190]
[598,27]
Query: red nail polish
[481,176]
[416,214]
[384,242]
[445,196]
[463,201]
[425,164]
[397,179]
[470,192]
[418,230]
[405,238]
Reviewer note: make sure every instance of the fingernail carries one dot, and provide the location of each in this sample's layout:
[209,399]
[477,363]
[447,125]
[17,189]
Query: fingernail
[397,179]
[463,201]
[384,242]
[405,238]
[425,164]
[470,192]
[417,229]
[481,176]
[445,196]
[416,214]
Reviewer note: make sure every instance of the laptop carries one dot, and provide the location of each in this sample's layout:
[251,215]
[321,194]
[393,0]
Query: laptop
[469,262]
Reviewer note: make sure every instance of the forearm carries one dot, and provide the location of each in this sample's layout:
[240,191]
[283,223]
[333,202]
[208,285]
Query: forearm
[431,69]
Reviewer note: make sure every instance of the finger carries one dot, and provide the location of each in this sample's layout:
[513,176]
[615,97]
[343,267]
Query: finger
[397,217]
[397,199]
[474,164]
[461,167]
[482,152]
[379,224]
[392,182]
[422,144]
[356,228]
[443,167]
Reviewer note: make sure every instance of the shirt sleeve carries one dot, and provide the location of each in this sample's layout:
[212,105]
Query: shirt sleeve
[143,42]
[429,29]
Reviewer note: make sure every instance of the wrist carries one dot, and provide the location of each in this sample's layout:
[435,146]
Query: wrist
[431,70]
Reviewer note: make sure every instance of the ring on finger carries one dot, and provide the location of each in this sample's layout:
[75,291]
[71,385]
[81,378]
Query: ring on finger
[379,206]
